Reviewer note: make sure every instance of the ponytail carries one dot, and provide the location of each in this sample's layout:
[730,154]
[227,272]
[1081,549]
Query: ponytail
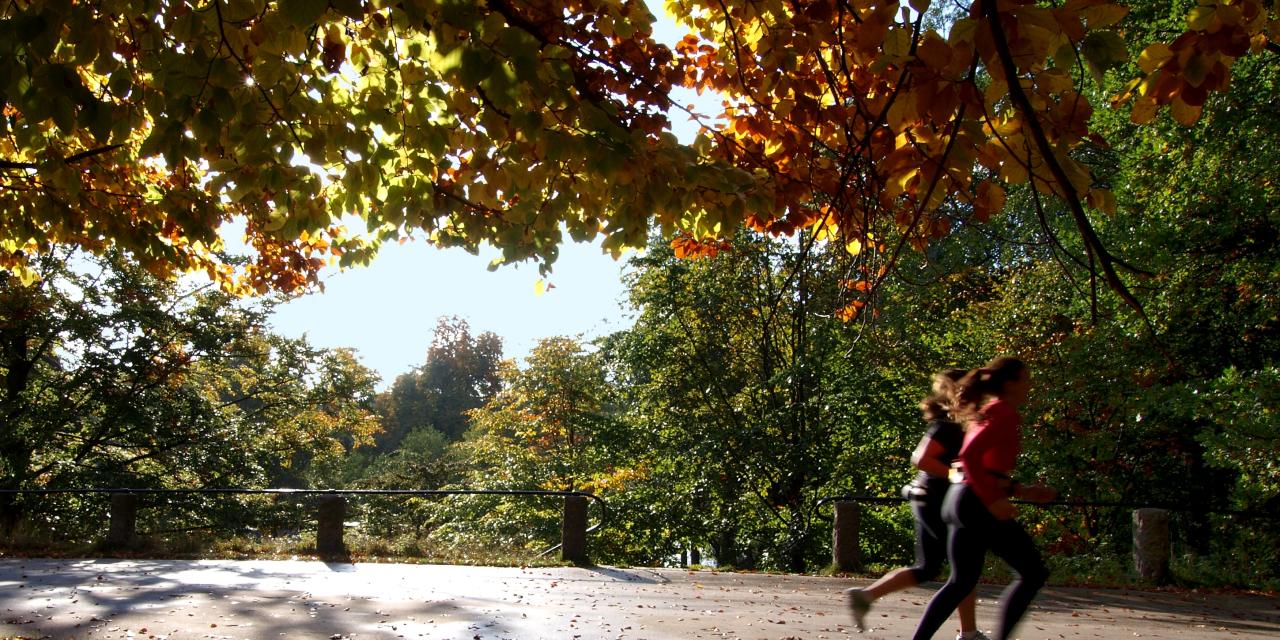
[979,384]
[938,405]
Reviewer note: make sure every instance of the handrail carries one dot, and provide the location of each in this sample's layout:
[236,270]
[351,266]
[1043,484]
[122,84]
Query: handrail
[604,507]
[1060,503]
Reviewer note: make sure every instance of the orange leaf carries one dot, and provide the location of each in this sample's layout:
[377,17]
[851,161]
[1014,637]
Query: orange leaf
[1184,113]
[1103,200]
[990,199]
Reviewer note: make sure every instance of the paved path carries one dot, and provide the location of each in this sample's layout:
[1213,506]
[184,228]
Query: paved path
[301,599]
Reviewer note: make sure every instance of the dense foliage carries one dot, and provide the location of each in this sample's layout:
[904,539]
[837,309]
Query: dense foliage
[512,122]
[116,378]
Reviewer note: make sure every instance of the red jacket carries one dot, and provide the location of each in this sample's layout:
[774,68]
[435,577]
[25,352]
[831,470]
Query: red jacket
[990,450]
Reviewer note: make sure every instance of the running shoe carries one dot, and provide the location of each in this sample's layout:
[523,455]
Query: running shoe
[977,635]
[859,605]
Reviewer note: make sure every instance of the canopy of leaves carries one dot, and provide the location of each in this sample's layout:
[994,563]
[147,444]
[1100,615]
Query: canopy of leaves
[152,125]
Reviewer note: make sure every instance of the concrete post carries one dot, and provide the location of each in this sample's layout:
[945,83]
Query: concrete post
[573,530]
[844,537]
[124,518]
[329,516]
[1151,544]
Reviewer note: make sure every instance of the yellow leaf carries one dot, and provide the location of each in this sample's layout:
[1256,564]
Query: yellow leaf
[1013,171]
[540,287]
[826,228]
[902,112]
[1054,81]
[1103,15]
[854,247]
[904,181]
[1143,111]
[1154,56]
[1202,18]
[784,107]
[1229,14]
[1077,173]
[993,93]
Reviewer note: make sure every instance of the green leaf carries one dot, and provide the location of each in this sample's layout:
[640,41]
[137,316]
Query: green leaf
[897,43]
[475,67]
[303,13]
[1103,50]
[120,83]
[64,114]
[349,8]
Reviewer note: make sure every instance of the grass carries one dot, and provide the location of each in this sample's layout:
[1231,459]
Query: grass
[360,548]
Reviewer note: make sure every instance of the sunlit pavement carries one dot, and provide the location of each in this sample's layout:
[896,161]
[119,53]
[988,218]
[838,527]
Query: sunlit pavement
[303,599]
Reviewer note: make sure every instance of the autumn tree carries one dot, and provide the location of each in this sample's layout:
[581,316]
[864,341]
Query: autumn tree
[553,426]
[152,126]
[542,426]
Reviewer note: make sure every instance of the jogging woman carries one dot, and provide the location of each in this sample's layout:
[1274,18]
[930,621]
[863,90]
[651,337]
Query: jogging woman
[978,510]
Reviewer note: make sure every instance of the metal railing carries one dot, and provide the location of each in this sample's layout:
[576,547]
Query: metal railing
[331,511]
[1150,528]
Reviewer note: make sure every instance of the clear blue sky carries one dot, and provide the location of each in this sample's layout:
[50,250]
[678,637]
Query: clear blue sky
[388,310]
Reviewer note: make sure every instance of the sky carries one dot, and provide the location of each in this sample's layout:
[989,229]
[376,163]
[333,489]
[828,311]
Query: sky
[387,311]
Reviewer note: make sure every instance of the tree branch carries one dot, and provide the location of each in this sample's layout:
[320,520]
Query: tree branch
[89,153]
[1092,242]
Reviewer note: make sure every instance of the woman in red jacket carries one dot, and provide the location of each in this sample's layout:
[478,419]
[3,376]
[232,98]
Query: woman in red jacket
[978,511]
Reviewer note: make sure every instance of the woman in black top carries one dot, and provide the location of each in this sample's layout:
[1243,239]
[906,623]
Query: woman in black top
[939,447]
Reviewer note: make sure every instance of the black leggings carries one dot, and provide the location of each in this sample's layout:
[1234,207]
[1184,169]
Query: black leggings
[972,530]
[931,537]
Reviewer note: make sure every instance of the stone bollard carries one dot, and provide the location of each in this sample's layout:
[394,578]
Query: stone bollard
[329,516]
[124,518]
[573,530]
[844,537]
[1151,544]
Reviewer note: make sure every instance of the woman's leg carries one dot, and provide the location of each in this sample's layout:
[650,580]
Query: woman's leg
[966,548]
[1013,545]
[931,538]
[895,580]
[966,612]
[931,550]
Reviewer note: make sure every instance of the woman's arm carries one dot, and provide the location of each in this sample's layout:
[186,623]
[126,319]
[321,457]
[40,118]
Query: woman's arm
[928,458]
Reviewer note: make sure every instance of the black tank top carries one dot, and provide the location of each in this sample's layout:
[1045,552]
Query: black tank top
[951,436]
